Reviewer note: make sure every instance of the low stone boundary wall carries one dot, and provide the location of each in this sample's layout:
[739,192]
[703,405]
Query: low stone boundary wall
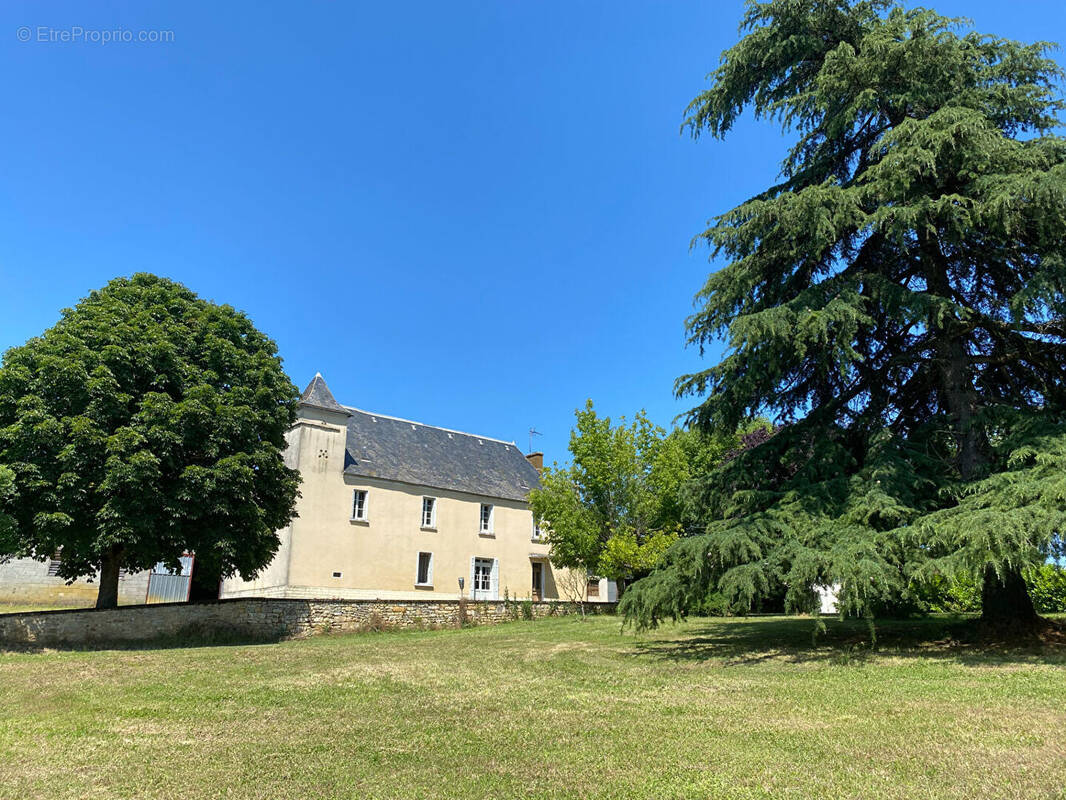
[257,618]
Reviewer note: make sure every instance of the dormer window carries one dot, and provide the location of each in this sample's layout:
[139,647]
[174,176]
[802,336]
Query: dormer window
[359,505]
[486,520]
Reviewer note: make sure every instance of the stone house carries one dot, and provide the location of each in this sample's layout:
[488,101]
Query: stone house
[389,509]
[395,509]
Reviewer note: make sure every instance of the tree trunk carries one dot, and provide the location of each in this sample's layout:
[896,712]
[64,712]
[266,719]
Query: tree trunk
[959,402]
[1005,601]
[956,396]
[107,597]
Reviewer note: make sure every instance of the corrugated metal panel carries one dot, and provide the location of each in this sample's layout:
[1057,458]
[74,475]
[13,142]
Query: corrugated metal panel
[167,587]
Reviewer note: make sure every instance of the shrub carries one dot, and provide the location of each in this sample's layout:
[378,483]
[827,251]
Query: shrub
[462,614]
[714,605]
[962,594]
[375,623]
[510,605]
[1047,587]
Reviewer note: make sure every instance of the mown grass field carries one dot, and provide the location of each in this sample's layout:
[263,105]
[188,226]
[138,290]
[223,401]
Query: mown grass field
[551,709]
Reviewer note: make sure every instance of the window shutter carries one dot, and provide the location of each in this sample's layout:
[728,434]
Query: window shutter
[429,572]
[494,580]
[470,582]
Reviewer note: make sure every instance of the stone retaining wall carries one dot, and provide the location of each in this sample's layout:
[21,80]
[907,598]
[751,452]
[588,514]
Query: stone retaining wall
[254,618]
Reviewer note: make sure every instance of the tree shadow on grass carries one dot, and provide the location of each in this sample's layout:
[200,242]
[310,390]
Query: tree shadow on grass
[752,640]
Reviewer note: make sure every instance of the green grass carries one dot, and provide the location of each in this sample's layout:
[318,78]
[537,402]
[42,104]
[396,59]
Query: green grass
[551,709]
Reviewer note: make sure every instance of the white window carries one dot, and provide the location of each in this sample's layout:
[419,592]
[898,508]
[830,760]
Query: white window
[481,585]
[538,531]
[429,512]
[486,518]
[359,505]
[484,578]
[424,573]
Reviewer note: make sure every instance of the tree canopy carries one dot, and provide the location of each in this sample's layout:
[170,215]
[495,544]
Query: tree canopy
[147,422]
[619,504]
[7,491]
[614,509]
[896,302]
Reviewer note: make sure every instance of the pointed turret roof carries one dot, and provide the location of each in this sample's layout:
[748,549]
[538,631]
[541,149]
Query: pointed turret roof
[317,394]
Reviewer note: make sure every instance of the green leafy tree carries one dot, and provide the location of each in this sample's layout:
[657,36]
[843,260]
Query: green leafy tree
[898,301]
[619,505]
[615,508]
[146,423]
[7,494]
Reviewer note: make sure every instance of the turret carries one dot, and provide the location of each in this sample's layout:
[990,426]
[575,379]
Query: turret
[323,426]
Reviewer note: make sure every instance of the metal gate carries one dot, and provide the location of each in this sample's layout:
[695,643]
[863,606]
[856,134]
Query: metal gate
[165,586]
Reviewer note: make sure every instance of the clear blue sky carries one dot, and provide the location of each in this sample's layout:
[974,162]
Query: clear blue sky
[472,214]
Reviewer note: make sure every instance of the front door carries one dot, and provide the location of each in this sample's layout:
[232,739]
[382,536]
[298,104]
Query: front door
[538,581]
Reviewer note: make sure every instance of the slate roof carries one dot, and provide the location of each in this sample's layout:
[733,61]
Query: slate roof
[317,394]
[396,449]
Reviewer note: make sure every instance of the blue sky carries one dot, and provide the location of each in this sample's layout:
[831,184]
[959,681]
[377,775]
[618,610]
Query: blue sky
[472,214]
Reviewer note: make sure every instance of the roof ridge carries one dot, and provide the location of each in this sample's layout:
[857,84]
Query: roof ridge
[424,425]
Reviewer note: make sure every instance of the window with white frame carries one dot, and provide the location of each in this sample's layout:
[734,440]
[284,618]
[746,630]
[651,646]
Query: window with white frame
[359,505]
[486,519]
[424,573]
[482,584]
[429,512]
[538,531]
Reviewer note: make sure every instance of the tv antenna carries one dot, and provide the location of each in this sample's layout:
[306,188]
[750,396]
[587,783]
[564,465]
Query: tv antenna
[533,432]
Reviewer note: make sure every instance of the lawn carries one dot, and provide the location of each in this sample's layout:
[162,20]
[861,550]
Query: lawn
[554,708]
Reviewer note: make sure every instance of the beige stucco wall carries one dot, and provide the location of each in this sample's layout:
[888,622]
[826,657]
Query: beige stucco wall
[274,579]
[27,582]
[379,557]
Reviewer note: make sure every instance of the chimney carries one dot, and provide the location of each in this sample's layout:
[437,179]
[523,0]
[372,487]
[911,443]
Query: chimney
[537,460]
